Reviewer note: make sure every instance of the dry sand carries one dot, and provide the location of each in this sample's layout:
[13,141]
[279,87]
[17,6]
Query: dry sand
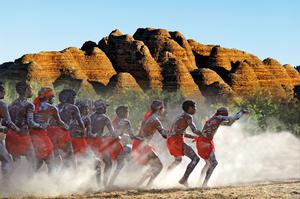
[273,189]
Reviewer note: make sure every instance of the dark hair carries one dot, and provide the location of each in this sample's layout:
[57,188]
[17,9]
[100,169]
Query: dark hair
[222,111]
[121,111]
[66,95]
[1,87]
[187,104]
[21,87]
[156,105]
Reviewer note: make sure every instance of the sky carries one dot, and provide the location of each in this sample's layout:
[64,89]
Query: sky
[265,28]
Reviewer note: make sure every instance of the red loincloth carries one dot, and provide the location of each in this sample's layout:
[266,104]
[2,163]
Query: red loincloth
[59,137]
[17,144]
[42,144]
[141,151]
[204,147]
[80,145]
[175,145]
[111,146]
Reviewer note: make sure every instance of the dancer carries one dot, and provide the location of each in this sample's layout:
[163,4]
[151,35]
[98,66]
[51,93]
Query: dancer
[142,151]
[44,111]
[79,134]
[21,111]
[122,126]
[6,160]
[98,142]
[175,141]
[61,137]
[205,144]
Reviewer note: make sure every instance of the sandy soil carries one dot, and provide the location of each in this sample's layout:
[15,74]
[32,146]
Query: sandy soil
[273,189]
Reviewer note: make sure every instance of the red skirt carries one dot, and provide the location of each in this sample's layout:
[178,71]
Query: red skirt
[106,145]
[204,147]
[42,144]
[80,145]
[94,144]
[17,144]
[141,151]
[59,137]
[175,145]
[111,146]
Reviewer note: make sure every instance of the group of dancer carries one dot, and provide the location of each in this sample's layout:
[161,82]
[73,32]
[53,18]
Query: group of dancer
[60,135]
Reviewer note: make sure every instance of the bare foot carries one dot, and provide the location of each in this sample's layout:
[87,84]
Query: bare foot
[184,182]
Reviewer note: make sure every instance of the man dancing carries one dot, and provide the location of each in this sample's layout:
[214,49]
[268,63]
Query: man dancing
[44,111]
[204,142]
[6,161]
[77,133]
[122,126]
[98,142]
[21,111]
[142,151]
[59,136]
[175,141]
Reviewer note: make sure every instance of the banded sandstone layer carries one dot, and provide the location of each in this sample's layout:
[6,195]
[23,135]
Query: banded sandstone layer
[157,60]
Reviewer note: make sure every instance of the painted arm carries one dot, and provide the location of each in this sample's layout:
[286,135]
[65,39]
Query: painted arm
[163,132]
[78,118]
[57,118]
[229,120]
[110,127]
[6,118]
[193,126]
[30,120]
[190,136]
[88,126]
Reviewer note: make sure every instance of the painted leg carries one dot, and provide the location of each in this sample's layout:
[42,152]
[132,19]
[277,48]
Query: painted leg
[175,163]
[189,152]
[31,158]
[156,167]
[212,165]
[50,163]
[120,164]
[6,163]
[69,160]
[107,169]
[98,172]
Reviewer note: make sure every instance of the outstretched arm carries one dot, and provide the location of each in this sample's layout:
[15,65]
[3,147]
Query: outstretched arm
[229,120]
[189,136]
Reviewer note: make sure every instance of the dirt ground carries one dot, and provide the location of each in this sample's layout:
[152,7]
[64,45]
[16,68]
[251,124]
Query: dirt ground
[274,189]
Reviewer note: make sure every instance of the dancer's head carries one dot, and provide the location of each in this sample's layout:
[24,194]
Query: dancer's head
[122,112]
[157,106]
[100,106]
[67,96]
[23,88]
[222,111]
[189,107]
[83,107]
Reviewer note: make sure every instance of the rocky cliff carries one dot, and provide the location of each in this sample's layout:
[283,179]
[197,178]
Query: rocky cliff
[156,59]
